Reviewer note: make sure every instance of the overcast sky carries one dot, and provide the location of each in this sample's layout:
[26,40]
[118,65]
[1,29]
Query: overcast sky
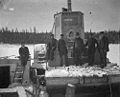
[23,14]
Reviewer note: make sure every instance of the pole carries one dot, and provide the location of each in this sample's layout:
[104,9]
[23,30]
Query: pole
[91,22]
[69,6]
[110,87]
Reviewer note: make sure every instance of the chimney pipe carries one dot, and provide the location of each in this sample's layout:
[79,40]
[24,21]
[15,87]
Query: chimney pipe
[69,6]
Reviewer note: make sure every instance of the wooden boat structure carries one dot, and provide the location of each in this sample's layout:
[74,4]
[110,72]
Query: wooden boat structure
[93,86]
[85,86]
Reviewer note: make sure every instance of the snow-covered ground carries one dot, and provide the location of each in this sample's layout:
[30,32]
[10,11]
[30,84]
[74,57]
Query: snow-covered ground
[114,53]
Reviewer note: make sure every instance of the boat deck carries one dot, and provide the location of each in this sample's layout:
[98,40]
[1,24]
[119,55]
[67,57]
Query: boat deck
[86,86]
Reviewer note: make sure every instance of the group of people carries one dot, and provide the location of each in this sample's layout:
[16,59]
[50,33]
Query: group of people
[101,45]
[62,48]
[97,49]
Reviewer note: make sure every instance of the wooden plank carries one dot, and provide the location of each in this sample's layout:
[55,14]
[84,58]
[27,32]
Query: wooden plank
[95,80]
[114,78]
[83,80]
[20,90]
[62,80]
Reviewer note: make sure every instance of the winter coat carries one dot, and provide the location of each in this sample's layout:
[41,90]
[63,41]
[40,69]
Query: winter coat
[78,45]
[62,47]
[104,44]
[24,52]
[91,45]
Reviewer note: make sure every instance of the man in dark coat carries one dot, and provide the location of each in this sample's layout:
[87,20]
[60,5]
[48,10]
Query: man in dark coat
[62,51]
[24,54]
[92,44]
[78,49]
[51,47]
[104,48]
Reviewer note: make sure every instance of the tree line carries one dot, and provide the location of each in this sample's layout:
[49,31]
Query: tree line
[113,36]
[16,37]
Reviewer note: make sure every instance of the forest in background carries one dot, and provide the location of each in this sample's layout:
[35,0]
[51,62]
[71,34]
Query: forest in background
[33,37]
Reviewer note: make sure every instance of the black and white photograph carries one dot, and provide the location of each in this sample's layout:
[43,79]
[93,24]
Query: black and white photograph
[59,48]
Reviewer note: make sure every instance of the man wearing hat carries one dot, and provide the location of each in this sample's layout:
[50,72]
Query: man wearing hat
[104,48]
[92,45]
[51,47]
[62,51]
[24,54]
[78,49]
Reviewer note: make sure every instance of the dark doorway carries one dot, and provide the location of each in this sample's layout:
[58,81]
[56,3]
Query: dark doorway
[4,76]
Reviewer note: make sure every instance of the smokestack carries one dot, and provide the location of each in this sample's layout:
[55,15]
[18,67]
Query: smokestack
[69,6]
